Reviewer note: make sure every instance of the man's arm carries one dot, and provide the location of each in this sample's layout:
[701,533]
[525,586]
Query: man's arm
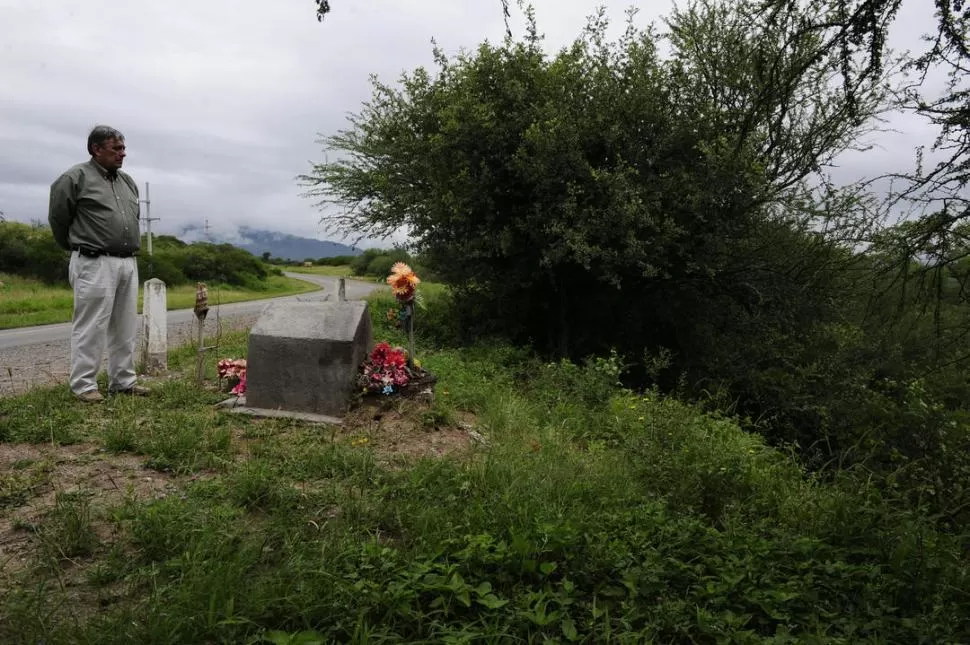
[63,202]
[134,189]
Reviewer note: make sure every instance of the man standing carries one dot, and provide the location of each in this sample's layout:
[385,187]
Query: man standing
[93,213]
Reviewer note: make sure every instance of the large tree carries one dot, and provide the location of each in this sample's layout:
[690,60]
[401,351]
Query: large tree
[607,183]
[612,196]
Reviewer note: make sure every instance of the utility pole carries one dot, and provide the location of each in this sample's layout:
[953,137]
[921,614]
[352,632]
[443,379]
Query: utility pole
[205,230]
[148,216]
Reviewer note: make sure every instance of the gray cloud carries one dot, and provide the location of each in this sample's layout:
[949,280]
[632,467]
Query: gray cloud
[222,101]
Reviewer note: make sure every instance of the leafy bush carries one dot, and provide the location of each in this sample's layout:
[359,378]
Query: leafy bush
[517,176]
[162,266]
[336,261]
[30,251]
[222,263]
[696,239]
[377,262]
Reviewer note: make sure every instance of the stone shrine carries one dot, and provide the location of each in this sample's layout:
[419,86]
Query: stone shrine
[304,356]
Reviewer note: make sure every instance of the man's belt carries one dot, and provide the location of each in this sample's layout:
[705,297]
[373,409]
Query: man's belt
[94,253]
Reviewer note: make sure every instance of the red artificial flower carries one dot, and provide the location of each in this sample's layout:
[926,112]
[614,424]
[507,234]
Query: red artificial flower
[240,388]
[385,367]
[233,368]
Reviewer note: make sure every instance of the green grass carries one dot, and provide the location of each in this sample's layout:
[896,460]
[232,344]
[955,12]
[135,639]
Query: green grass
[25,302]
[338,271]
[68,531]
[592,515]
[183,297]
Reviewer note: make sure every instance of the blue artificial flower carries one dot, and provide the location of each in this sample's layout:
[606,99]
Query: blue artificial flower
[388,389]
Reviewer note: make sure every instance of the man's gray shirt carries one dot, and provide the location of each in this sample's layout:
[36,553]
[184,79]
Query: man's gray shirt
[90,208]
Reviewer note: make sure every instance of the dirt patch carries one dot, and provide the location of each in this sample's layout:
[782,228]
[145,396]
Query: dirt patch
[400,430]
[405,430]
[41,472]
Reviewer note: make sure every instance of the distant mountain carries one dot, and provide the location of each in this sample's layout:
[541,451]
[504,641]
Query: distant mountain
[279,245]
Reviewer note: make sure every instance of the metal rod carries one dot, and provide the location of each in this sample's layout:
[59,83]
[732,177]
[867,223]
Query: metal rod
[410,332]
[148,214]
[148,217]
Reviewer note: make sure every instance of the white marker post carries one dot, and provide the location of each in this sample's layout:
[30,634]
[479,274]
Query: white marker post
[154,308]
[155,327]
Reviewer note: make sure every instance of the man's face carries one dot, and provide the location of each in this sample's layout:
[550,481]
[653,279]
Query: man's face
[110,154]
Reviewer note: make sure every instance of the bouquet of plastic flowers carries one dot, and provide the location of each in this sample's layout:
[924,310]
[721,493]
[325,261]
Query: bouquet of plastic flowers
[385,369]
[404,282]
[233,370]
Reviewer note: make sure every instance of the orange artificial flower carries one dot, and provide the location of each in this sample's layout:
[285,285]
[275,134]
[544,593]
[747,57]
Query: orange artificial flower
[403,280]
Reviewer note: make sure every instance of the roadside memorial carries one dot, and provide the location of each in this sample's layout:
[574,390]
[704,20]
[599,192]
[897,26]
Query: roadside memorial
[302,360]
[316,360]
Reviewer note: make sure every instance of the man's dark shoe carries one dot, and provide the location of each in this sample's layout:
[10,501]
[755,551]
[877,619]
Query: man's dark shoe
[134,390]
[91,396]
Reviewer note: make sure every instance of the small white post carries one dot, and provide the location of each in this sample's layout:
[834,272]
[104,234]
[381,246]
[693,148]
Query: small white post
[155,327]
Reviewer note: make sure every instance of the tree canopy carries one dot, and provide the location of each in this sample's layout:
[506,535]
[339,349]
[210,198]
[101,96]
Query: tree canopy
[603,166]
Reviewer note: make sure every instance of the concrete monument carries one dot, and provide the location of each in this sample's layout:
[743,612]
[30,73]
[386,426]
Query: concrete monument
[304,356]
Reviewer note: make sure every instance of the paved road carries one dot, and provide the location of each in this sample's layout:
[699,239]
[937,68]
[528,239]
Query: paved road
[10,338]
[34,356]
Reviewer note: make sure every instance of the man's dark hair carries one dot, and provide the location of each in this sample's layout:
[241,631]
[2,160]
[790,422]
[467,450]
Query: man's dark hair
[100,134]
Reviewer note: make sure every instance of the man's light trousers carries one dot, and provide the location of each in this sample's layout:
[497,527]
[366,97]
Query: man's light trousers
[105,309]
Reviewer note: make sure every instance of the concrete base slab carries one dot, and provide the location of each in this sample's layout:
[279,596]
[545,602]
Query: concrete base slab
[237,405]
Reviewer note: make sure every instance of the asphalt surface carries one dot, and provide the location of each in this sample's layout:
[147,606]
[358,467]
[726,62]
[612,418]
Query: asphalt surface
[42,334]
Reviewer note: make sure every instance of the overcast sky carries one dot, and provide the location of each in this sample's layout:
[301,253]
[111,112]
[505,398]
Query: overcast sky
[221,101]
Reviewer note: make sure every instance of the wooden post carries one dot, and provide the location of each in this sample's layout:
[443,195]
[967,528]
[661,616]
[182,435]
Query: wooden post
[201,309]
[200,360]
[342,290]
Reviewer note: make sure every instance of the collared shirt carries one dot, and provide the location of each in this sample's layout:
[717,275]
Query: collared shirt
[92,208]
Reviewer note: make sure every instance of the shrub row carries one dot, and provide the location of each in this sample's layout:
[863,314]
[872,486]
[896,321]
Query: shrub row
[30,251]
